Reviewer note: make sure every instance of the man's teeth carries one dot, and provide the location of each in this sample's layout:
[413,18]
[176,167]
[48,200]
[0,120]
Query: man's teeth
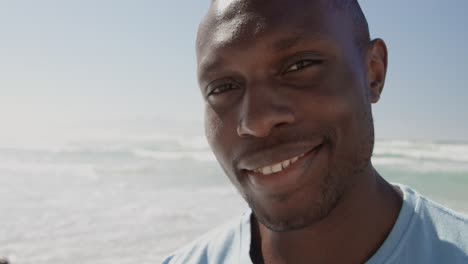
[278,166]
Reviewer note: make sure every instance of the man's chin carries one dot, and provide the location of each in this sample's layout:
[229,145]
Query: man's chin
[289,222]
[286,225]
[289,215]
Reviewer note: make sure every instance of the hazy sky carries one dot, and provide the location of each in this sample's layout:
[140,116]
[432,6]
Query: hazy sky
[77,65]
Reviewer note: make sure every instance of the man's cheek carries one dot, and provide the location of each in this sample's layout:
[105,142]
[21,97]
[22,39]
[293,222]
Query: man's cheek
[338,116]
[334,110]
[218,136]
[213,126]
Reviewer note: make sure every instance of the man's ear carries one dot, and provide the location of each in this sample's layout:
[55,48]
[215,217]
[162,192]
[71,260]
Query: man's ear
[376,68]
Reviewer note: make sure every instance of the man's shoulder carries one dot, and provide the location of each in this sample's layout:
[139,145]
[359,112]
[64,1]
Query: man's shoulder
[425,232]
[431,213]
[436,233]
[448,224]
[216,246]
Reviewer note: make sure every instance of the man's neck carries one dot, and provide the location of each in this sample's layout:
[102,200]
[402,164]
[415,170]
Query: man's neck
[351,233]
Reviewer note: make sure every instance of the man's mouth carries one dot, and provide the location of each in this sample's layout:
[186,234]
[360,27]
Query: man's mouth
[278,166]
[282,165]
[288,174]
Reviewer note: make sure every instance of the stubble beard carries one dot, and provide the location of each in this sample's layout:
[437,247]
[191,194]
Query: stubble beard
[331,190]
[316,210]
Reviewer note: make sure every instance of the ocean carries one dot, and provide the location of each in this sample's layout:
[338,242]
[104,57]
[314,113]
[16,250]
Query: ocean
[136,199]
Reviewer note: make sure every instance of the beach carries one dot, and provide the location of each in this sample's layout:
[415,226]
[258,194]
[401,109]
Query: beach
[136,199]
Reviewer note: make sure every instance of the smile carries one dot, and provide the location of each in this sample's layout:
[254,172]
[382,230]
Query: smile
[278,166]
[291,173]
[282,165]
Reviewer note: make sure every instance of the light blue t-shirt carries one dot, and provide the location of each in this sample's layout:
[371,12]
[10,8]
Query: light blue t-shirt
[425,232]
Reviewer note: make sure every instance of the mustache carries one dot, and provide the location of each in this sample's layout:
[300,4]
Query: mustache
[255,145]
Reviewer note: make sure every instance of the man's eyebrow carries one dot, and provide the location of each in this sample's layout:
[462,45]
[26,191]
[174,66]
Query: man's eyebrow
[210,66]
[290,42]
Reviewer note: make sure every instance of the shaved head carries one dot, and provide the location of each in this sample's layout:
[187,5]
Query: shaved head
[360,26]
[227,9]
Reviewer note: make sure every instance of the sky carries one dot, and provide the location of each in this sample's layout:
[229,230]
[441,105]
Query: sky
[69,68]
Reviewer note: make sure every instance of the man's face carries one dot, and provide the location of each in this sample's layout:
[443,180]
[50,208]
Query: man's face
[286,107]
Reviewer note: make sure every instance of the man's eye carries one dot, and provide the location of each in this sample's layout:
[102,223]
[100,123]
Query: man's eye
[301,65]
[222,88]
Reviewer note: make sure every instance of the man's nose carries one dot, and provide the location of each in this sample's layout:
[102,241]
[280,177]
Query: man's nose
[262,111]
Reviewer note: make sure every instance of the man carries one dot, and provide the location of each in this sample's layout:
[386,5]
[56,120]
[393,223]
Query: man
[288,87]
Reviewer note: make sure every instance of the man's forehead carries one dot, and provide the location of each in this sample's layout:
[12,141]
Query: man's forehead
[234,21]
[230,19]
[229,8]
[237,28]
